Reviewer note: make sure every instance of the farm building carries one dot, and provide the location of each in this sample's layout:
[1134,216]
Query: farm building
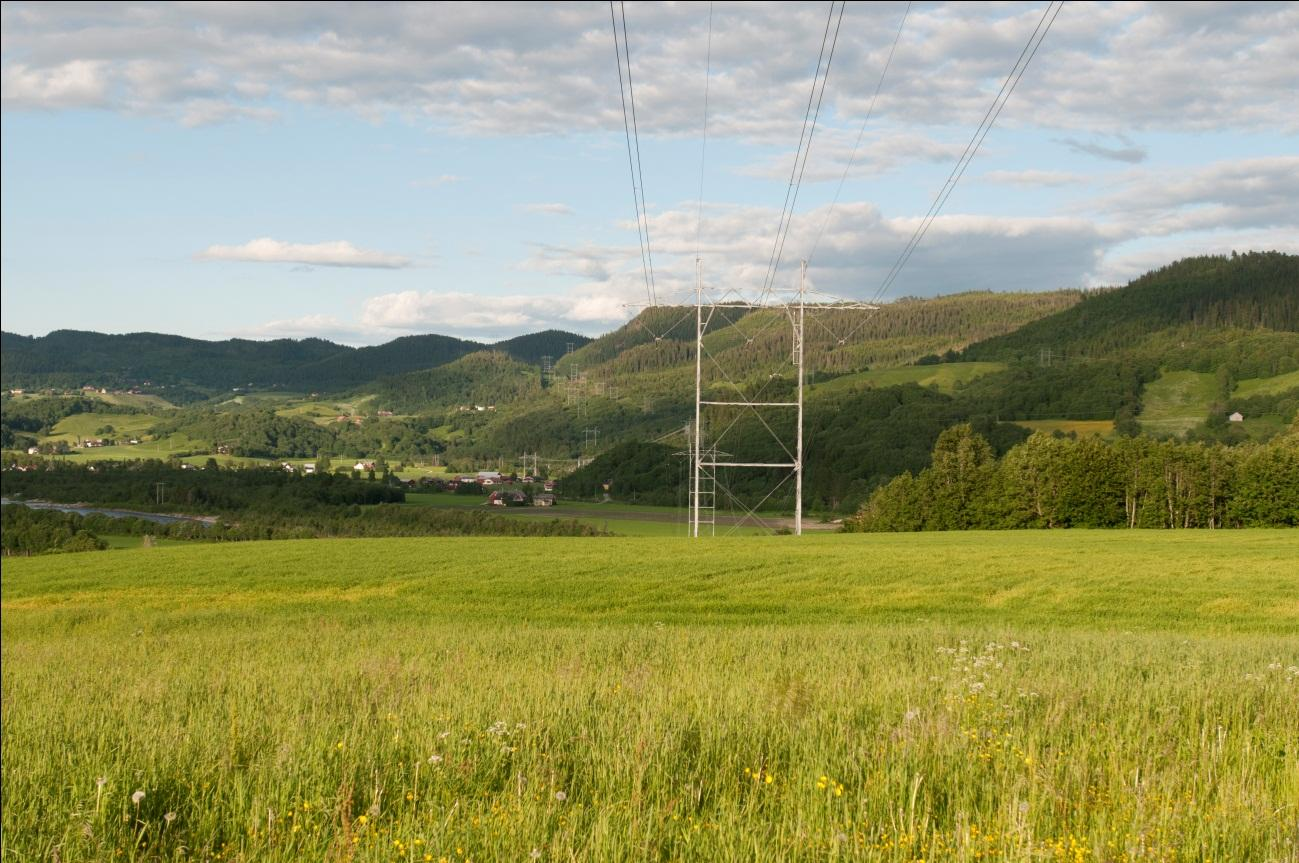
[1236,417]
[507,498]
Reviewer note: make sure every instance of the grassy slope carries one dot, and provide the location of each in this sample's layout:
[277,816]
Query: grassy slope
[1082,428]
[85,425]
[908,696]
[1177,402]
[1267,386]
[944,376]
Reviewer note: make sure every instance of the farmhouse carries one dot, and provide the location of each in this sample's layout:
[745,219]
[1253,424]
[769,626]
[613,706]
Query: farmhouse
[363,466]
[543,499]
[1236,417]
[309,467]
[508,498]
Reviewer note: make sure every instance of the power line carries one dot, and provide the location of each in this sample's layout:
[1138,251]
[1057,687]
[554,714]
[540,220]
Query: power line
[869,111]
[790,220]
[640,172]
[972,148]
[703,147]
[800,154]
[637,194]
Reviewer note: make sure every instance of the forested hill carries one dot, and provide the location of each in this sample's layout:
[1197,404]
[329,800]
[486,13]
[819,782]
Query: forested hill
[73,358]
[1254,291]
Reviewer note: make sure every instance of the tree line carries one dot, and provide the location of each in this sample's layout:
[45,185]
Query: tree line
[29,531]
[1058,482]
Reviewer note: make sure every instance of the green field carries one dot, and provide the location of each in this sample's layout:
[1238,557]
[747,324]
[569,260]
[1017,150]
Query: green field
[79,426]
[943,376]
[1267,386]
[1177,402]
[1062,696]
[1082,428]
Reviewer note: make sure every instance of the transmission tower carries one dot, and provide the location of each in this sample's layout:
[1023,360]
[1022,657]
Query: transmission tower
[706,488]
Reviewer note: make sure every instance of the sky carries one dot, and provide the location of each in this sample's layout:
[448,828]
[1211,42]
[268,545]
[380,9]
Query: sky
[369,171]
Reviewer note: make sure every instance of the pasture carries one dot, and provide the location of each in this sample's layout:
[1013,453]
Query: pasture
[1081,428]
[1062,696]
[1267,386]
[1176,402]
[945,377]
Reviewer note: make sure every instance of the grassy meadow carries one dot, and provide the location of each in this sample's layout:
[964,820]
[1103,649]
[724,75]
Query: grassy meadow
[1046,696]
[1177,401]
[945,377]
[1082,428]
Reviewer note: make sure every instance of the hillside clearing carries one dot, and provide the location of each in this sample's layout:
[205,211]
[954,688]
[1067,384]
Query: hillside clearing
[1177,402]
[1267,386]
[945,377]
[1082,428]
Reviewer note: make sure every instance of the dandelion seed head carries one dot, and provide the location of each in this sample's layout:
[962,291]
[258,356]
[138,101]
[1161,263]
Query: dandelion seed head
[137,797]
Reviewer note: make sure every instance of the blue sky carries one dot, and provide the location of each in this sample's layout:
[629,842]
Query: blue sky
[366,172]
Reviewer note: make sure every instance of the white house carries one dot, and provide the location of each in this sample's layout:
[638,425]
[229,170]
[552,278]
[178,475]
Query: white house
[1237,417]
[309,467]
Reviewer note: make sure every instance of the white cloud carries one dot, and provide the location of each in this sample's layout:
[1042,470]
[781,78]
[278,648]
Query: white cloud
[71,84]
[338,253]
[460,312]
[533,68]
[1125,151]
[208,112]
[308,326]
[1032,177]
[1227,195]
[547,209]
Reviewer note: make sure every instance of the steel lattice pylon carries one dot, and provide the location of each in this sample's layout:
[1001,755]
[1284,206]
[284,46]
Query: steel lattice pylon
[705,460]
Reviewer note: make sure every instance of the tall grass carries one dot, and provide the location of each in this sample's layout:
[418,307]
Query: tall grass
[1099,696]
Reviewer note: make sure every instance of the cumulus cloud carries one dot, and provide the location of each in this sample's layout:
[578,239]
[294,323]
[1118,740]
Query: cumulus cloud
[322,326]
[547,209]
[1106,67]
[207,112]
[462,312]
[71,84]
[1033,177]
[1227,195]
[1127,151]
[338,253]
